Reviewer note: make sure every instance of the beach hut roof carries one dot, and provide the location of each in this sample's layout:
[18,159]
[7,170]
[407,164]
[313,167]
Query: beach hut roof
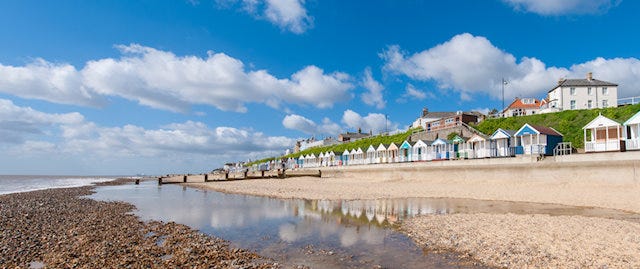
[601,121]
[381,147]
[359,151]
[392,146]
[502,133]
[635,119]
[346,152]
[407,145]
[441,141]
[527,129]
[321,155]
[331,153]
[477,138]
[312,156]
[354,151]
[371,148]
[421,143]
[457,139]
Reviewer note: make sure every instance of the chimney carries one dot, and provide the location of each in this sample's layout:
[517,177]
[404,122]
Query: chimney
[589,76]
[424,112]
[359,130]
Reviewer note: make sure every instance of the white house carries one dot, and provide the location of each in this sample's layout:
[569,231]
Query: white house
[632,127]
[586,93]
[604,135]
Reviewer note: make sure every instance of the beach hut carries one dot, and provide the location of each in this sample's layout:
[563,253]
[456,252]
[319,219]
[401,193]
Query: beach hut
[632,127]
[392,153]
[478,146]
[534,139]
[381,153]
[420,149]
[458,147]
[442,149]
[406,150]
[345,157]
[371,155]
[321,159]
[312,160]
[503,143]
[332,158]
[602,134]
[360,156]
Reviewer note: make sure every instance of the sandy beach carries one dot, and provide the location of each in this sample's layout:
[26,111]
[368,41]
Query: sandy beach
[560,241]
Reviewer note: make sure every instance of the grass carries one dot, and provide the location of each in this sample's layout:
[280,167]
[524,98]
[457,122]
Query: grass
[569,122]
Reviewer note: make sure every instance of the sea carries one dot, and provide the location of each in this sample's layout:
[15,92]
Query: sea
[22,183]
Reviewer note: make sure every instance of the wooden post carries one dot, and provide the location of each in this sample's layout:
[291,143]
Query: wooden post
[184,179]
[319,173]
[206,177]
[226,175]
[245,173]
[262,174]
[137,181]
[160,181]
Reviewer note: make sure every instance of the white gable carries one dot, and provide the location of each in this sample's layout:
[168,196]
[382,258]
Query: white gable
[353,151]
[346,152]
[371,148]
[420,143]
[476,138]
[381,148]
[359,150]
[321,155]
[500,134]
[601,121]
[633,120]
[392,147]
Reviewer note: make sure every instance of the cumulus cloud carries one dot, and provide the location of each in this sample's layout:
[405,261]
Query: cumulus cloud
[411,93]
[470,65]
[307,126]
[290,15]
[565,7]
[27,130]
[374,122]
[374,95]
[58,83]
[162,80]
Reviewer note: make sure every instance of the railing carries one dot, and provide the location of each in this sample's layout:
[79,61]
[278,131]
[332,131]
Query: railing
[629,100]
[633,143]
[602,146]
[562,149]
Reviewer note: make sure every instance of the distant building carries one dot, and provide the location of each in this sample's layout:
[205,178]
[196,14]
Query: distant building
[346,137]
[312,142]
[523,107]
[431,121]
[586,93]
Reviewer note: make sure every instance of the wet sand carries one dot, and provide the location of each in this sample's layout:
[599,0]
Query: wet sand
[58,229]
[530,240]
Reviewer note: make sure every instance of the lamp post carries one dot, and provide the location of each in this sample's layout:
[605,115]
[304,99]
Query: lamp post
[504,82]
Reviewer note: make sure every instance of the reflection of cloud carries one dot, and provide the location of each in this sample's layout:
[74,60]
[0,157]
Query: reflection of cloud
[349,237]
[287,232]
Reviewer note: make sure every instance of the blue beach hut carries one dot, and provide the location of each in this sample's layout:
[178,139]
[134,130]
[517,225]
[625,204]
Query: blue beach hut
[503,143]
[534,139]
[406,150]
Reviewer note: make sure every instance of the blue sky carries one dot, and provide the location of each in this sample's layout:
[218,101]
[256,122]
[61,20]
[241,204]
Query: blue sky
[125,87]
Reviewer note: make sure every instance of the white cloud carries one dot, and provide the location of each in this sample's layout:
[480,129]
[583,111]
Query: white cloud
[469,65]
[290,15]
[162,80]
[307,126]
[374,95]
[374,122]
[58,83]
[29,131]
[564,7]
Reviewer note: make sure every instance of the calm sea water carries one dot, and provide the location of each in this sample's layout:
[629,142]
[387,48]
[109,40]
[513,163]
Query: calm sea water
[21,183]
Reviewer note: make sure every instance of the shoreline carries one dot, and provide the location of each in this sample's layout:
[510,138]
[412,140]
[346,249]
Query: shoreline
[60,228]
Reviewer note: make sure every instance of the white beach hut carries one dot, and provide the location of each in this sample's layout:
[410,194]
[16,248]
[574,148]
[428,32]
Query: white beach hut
[602,134]
[345,157]
[479,146]
[313,161]
[632,127]
[321,159]
[360,156]
[381,153]
[503,143]
[371,155]
[392,153]
[420,149]
[332,158]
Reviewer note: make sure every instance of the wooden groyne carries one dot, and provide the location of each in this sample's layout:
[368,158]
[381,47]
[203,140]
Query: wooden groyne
[230,176]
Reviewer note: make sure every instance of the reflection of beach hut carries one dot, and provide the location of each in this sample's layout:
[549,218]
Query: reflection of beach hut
[503,143]
[442,149]
[381,152]
[479,146]
[534,139]
[632,126]
[420,149]
[604,134]
[371,154]
[406,150]
[392,153]
[345,157]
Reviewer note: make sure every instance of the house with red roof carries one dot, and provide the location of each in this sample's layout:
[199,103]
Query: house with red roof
[523,107]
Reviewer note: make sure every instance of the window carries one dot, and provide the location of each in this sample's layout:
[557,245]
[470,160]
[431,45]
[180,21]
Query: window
[605,90]
[605,103]
[572,91]
[589,90]
[573,104]
[589,104]
[448,121]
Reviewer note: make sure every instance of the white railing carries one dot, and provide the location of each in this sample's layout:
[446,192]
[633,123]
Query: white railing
[594,146]
[629,100]
[633,143]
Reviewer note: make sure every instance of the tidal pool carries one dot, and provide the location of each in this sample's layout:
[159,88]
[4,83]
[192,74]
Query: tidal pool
[318,233]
